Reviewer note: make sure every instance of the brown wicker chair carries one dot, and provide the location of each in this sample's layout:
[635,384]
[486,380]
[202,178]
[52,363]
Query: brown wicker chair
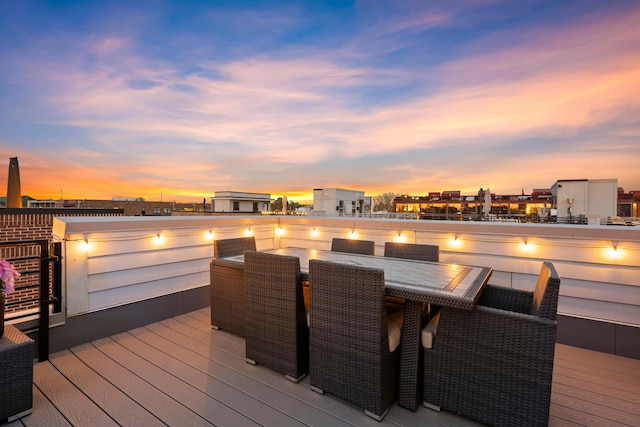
[494,364]
[277,335]
[227,296]
[227,285]
[231,247]
[412,251]
[349,337]
[362,247]
[16,375]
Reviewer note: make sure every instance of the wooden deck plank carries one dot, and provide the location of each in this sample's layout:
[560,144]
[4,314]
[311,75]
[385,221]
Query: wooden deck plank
[189,366]
[71,402]
[587,358]
[596,384]
[154,366]
[616,387]
[202,332]
[167,409]
[427,417]
[573,362]
[262,383]
[224,340]
[333,410]
[610,371]
[203,315]
[112,400]
[596,398]
[557,422]
[570,415]
[44,414]
[203,405]
[612,414]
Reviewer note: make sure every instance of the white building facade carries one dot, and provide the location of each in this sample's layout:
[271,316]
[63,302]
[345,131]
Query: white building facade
[237,201]
[585,197]
[338,202]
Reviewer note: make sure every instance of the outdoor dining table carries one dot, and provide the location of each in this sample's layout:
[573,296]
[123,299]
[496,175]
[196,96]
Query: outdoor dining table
[418,282]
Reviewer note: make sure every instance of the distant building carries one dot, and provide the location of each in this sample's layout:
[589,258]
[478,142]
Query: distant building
[452,205]
[240,202]
[338,202]
[50,203]
[585,197]
[578,200]
[628,203]
[127,206]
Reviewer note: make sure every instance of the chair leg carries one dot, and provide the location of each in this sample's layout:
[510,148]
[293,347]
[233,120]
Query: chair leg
[376,417]
[430,406]
[294,379]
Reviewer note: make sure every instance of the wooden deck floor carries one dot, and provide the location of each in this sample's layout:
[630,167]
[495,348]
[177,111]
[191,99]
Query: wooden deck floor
[180,372]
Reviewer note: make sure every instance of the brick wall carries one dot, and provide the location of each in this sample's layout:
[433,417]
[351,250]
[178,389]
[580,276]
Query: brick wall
[34,224]
[21,225]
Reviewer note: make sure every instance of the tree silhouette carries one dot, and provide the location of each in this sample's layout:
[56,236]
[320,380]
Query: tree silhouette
[384,202]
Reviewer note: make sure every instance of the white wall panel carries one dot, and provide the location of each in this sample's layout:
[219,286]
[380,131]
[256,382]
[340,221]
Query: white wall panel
[146,258]
[135,276]
[109,298]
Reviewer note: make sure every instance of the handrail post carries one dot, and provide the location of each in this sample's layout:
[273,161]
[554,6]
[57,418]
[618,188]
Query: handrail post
[43,328]
[57,277]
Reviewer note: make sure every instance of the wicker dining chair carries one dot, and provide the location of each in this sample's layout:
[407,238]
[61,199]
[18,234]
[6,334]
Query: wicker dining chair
[227,285]
[362,247]
[350,354]
[231,247]
[414,251]
[494,364]
[277,335]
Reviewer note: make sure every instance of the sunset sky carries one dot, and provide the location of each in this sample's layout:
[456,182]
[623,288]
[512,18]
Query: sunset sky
[180,99]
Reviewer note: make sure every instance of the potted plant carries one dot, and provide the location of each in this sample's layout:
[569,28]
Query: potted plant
[8,275]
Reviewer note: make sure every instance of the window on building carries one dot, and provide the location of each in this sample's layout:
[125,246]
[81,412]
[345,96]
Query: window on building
[255,207]
[156,211]
[236,206]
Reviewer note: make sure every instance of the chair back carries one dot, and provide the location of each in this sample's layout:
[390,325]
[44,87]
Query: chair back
[277,335]
[545,296]
[232,247]
[227,296]
[362,247]
[412,251]
[349,344]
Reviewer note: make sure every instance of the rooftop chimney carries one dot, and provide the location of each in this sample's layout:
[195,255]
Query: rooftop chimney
[14,196]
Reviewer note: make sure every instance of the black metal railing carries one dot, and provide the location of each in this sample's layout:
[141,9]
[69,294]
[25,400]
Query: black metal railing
[39,263]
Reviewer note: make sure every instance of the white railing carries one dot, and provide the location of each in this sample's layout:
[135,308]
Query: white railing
[114,261]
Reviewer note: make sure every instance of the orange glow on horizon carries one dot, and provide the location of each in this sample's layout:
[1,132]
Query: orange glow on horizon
[87,184]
